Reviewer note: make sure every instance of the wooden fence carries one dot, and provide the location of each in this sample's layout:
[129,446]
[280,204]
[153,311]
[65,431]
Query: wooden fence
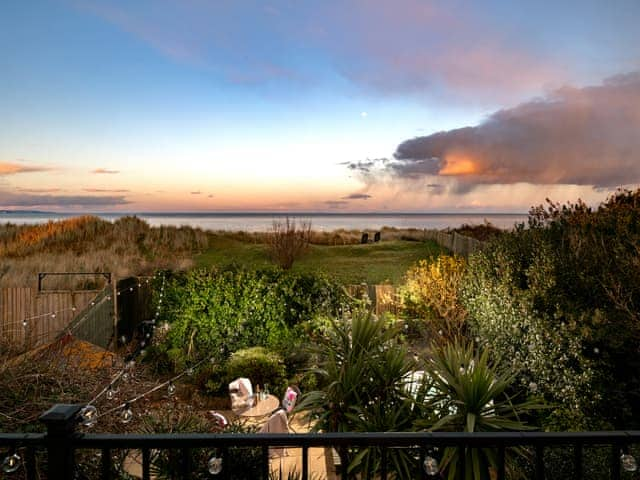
[29,318]
[458,244]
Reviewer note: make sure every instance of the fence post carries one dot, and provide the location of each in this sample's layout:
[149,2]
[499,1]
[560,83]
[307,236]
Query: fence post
[60,421]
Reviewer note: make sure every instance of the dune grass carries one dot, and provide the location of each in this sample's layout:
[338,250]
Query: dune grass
[382,262]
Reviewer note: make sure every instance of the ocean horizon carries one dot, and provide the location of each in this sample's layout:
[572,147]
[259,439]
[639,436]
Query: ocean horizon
[263,221]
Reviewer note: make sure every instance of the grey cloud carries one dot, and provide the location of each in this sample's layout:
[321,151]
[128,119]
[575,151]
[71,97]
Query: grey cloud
[8,199]
[357,196]
[582,136]
[336,204]
[106,190]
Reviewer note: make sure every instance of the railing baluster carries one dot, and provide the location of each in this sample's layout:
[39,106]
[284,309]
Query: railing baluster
[463,458]
[615,461]
[539,462]
[265,462]
[577,460]
[383,463]
[146,464]
[305,462]
[226,463]
[106,463]
[30,463]
[501,466]
[343,464]
[186,463]
[423,456]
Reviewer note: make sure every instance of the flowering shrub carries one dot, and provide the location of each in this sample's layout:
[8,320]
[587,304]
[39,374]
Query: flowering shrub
[431,293]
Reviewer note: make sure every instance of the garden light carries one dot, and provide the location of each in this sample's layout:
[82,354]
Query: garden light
[430,465]
[214,465]
[11,463]
[88,415]
[628,462]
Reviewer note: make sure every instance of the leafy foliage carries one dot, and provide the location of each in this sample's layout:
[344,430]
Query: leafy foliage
[217,312]
[261,366]
[430,293]
[561,299]
[464,392]
[362,370]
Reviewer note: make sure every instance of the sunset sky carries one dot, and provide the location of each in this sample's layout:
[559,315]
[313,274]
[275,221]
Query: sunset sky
[337,106]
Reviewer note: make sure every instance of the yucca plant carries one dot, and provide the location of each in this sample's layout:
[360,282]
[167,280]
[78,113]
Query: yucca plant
[469,394]
[362,370]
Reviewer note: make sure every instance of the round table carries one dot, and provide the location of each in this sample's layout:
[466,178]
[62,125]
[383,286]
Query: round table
[261,408]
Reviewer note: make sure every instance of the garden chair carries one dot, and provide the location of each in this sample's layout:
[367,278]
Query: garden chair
[241,393]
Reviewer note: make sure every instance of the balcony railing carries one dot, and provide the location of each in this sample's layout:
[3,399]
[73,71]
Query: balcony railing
[61,442]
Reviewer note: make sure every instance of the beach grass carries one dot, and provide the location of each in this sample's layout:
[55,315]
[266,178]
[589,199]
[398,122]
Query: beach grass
[373,263]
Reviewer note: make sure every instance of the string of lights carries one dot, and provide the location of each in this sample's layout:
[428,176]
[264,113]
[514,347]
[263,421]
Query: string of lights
[93,303]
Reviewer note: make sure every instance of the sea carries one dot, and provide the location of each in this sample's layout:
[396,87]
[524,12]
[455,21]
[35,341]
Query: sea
[260,222]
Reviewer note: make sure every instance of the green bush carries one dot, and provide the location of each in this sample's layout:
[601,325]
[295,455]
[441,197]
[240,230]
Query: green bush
[217,312]
[260,366]
[560,299]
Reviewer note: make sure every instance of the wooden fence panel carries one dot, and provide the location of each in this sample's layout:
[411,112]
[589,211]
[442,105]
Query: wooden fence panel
[15,307]
[95,322]
[56,309]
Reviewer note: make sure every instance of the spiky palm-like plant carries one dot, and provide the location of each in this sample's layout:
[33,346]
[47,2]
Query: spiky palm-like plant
[362,368]
[469,394]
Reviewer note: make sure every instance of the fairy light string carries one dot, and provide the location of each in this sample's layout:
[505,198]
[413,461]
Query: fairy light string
[128,403]
[92,304]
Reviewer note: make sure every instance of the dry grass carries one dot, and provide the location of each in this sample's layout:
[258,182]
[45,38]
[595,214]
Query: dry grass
[128,246]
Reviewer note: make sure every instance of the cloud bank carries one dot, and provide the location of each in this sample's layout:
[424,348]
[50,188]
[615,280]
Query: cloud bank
[9,199]
[579,136]
[12,168]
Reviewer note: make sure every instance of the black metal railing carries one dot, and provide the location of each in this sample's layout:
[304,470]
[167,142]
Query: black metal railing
[62,442]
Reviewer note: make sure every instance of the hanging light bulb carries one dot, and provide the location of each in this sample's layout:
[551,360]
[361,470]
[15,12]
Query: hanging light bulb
[142,352]
[628,462]
[214,465]
[11,463]
[131,289]
[24,323]
[189,371]
[125,376]
[73,309]
[139,285]
[123,339]
[88,415]
[171,389]
[111,393]
[430,465]
[53,315]
[127,414]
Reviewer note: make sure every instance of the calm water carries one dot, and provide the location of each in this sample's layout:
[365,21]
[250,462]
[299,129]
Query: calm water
[254,222]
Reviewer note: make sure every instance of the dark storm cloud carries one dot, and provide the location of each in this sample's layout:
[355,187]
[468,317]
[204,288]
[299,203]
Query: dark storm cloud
[582,136]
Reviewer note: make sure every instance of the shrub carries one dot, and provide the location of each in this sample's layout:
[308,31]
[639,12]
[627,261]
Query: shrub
[260,366]
[561,300]
[287,241]
[361,371]
[217,312]
[430,293]
[464,392]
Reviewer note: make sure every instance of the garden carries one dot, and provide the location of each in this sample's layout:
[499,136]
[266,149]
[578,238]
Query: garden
[538,331]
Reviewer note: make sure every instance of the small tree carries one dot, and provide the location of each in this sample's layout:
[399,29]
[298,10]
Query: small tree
[288,241]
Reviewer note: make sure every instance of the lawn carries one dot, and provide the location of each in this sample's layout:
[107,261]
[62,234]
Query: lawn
[373,263]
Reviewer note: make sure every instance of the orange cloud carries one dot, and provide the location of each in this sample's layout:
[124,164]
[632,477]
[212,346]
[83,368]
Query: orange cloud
[11,168]
[105,170]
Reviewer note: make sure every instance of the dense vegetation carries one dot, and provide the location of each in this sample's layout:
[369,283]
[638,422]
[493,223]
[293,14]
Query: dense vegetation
[561,299]
[128,246]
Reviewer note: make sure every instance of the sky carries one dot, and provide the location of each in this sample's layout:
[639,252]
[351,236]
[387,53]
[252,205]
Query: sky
[331,106]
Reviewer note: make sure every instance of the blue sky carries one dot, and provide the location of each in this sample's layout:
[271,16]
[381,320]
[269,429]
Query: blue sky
[201,105]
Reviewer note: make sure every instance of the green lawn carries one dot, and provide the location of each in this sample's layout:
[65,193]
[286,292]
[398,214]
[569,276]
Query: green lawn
[374,263]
